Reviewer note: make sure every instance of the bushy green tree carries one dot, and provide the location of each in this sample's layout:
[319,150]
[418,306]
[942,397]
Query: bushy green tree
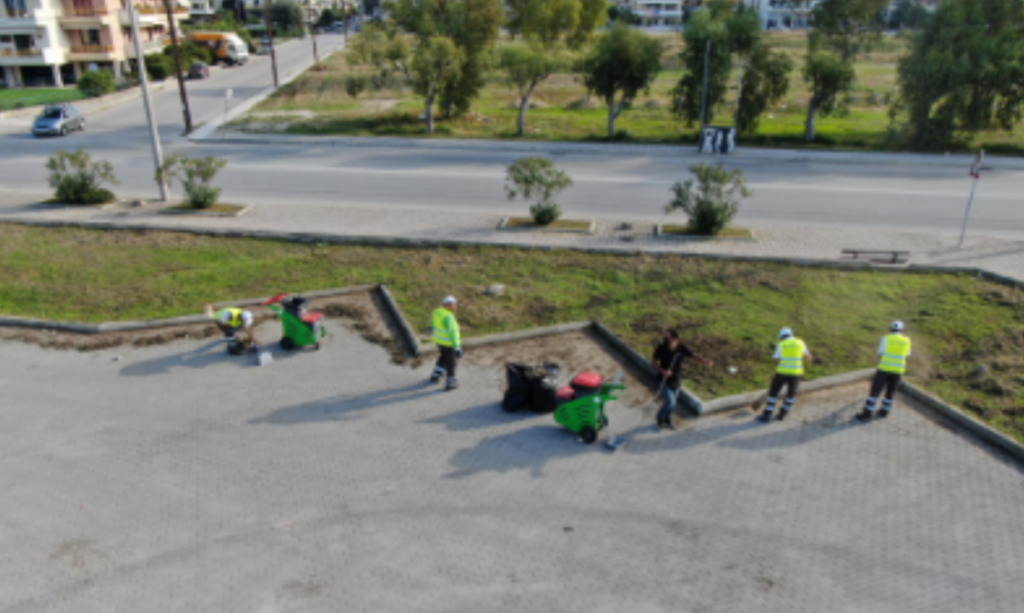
[524,66]
[436,63]
[765,83]
[622,63]
[76,178]
[471,24]
[196,175]
[537,179]
[712,201]
[382,46]
[965,71]
[828,77]
[286,14]
[550,21]
[96,83]
[158,66]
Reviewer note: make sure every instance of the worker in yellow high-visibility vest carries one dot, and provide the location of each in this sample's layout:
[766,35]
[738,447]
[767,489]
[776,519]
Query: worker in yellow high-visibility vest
[893,351]
[231,321]
[449,343]
[790,354]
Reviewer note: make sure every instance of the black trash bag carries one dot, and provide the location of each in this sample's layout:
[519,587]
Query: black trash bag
[543,391]
[517,396]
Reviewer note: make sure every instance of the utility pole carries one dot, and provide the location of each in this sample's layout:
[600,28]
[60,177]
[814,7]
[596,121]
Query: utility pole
[312,34]
[270,38]
[976,173]
[704,96]
[177,68]
[154,134]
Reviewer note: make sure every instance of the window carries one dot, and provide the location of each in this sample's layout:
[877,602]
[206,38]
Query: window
[6,39]
[92,37]
[16,8]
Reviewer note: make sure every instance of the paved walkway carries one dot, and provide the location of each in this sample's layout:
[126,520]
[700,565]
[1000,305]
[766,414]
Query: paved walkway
[1000,256]
[177,478]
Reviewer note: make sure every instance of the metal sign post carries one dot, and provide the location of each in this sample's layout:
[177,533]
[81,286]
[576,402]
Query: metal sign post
[976,173]
[227,99]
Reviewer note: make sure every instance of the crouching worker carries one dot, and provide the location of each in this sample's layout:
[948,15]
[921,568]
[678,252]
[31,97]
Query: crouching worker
[230,321]
[449,344]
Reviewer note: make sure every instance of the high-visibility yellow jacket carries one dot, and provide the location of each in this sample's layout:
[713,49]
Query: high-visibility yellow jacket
[446,329]
[236,317]
[791,357]
[895,349]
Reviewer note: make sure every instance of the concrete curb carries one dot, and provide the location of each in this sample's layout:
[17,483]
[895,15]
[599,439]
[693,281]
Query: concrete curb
[147,324]
[518,335]
[201,213]
[403,324]
[985,432]
[342,239]
[659,232]
[720,405]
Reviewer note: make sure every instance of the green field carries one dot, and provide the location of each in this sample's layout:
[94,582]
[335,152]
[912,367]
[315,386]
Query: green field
[729,311]
[12,98]
[558,116]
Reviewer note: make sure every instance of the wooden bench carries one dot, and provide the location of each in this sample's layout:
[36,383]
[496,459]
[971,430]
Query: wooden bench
[878,256]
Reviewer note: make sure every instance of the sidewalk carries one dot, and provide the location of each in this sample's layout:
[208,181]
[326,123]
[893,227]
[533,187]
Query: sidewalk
[998,256]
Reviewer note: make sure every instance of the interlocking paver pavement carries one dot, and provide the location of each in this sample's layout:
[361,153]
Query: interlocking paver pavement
[178,478]
[1001,256]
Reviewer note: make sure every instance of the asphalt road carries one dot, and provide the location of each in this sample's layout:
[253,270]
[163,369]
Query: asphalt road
[882,194]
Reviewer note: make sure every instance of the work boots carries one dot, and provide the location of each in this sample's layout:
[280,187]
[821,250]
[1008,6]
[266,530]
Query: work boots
[452,384]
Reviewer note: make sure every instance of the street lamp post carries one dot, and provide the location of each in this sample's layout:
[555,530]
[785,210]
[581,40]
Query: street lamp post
[154,134]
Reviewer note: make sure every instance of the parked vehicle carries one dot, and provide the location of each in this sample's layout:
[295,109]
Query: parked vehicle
[198,70]
[58,120]
[226,46]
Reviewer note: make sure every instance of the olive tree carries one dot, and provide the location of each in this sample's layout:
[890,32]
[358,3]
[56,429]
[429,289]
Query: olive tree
[77,178]
[525,66]
[435,65]
[195,175]
[623,62]
[828,76]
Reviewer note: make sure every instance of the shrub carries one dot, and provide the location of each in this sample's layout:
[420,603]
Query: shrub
[158,66]
[96,83]
[713,202]
[77,178]
[543,214]
[537,179]
[195,175]
[355,85]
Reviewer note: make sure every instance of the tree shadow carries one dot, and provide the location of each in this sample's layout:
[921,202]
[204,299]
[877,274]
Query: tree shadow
[480,416]
[339,408]
[530,448]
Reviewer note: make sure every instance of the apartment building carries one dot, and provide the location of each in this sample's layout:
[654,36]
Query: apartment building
[52,42]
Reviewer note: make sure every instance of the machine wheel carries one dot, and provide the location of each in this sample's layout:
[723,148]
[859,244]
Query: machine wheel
[287,343]
[589,435]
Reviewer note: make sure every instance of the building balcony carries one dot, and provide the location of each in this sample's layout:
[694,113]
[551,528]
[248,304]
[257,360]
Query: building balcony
[23,22]
[152,15]
[8,52]
[148,47]
[92,52]
[34,56]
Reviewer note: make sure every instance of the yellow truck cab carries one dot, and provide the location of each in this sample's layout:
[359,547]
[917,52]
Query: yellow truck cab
[226,46]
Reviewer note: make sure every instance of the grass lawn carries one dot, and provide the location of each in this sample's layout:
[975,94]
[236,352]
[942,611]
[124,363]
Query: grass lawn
[729,311]
[10,98]
[562,112]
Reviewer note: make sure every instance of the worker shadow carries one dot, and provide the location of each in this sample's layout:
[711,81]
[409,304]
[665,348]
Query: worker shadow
[481,416]
[203,356]
[341,407]
[739,423]
[801,432]
[530,449]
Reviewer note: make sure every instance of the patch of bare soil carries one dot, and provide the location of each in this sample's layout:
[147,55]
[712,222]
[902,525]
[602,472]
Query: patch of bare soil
[364,313]
[573,352]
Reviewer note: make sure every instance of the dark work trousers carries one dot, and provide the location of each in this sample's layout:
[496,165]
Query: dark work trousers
[446,362]
[791,382]
[883,380]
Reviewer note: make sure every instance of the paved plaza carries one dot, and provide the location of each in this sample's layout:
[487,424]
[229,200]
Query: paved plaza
[177,478]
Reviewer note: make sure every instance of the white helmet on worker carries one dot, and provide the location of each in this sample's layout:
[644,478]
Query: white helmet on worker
[450,300]
[785,333]
[897,326]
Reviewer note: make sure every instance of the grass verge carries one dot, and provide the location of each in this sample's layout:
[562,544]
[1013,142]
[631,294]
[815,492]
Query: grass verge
[968,334]
[686,230]
[12,98]
[525,223]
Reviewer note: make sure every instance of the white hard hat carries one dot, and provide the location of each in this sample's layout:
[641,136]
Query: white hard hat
[785,333]
[450,300]
[897,326]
